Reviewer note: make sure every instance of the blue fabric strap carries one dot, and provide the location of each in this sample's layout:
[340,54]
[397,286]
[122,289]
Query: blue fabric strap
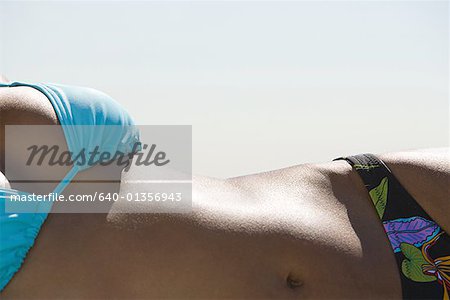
[91,120]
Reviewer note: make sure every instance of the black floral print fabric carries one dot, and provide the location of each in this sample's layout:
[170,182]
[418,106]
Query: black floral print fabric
[420,246]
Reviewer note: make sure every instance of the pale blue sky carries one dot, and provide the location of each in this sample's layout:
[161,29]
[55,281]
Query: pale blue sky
[264,84]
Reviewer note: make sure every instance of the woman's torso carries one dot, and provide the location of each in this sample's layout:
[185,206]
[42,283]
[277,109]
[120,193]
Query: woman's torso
[308,231]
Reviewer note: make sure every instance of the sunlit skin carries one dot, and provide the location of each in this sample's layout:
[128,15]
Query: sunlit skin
[308,231]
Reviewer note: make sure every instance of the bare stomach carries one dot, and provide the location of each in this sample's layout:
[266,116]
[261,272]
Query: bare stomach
[303,232]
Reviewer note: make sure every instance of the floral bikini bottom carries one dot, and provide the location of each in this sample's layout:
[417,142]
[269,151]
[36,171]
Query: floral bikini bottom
[421,247]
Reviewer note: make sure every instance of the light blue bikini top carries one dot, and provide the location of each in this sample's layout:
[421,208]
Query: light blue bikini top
[74,106]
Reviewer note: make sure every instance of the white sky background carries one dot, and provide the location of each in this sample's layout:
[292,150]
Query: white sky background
[264,84]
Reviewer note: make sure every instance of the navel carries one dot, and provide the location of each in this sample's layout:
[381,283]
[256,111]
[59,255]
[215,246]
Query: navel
[293,281]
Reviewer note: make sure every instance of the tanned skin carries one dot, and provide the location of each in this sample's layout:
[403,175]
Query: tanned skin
[308,231]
